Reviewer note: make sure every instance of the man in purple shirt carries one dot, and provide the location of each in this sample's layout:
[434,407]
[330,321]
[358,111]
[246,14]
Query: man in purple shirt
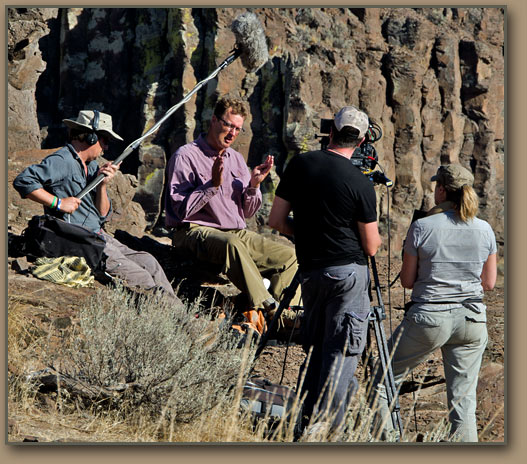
[210,193]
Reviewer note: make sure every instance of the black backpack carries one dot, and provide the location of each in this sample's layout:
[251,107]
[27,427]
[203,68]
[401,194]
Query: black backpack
[51,237]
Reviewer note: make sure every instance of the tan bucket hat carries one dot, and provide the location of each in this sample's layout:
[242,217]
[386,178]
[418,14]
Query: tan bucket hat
[85,120]
[453,176]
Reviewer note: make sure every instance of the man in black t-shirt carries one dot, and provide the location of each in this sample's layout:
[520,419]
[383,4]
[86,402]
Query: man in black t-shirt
[335,229]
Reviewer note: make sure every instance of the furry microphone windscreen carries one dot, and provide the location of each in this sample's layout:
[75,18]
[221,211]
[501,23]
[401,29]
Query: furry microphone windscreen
[250,41]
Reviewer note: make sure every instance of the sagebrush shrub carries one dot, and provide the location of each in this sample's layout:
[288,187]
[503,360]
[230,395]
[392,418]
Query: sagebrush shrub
[170,361]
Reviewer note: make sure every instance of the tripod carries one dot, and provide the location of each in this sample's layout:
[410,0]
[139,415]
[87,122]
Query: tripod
[377,315]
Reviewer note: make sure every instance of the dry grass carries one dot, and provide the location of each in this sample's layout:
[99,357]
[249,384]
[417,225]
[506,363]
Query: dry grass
[176,378]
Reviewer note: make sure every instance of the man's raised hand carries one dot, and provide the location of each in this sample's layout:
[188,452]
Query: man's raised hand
[217,171]
[259,173]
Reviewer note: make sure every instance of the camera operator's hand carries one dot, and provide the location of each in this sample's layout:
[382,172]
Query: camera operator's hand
[259,173]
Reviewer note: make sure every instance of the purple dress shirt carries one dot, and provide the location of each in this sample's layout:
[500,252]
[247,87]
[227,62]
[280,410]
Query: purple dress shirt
[191,197]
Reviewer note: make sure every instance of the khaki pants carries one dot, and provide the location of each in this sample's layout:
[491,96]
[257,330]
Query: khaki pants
[137,268]
[461,334]
[245,257]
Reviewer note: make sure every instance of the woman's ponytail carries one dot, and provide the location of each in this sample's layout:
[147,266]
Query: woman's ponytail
[468,205]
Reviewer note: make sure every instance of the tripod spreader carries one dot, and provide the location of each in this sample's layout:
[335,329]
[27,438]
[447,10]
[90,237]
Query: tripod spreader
[377,312]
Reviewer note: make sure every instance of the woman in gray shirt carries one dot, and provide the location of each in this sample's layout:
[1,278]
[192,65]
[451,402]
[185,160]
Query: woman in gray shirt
[449,261]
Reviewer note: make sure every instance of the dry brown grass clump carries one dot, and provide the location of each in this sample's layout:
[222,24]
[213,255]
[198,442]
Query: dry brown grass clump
[133,358]
[139,369]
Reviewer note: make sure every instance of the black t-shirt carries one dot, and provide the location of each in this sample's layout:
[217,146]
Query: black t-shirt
[328,195]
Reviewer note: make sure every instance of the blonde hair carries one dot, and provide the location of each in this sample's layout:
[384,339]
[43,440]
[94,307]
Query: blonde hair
[465,200]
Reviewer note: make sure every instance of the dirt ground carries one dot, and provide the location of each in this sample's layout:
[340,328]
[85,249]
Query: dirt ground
[420,411]
[42,302]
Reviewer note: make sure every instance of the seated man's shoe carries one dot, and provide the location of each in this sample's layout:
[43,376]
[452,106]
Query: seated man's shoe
[269,304]
[255,320]
[290,318]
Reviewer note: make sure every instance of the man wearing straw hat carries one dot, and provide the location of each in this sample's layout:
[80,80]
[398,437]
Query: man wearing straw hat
[58,179]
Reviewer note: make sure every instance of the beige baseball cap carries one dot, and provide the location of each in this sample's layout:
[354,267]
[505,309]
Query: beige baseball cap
[85,120]
[453,176]
[353,117]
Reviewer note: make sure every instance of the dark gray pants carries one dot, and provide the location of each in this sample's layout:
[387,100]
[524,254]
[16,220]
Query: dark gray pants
[136,268]
[336,310]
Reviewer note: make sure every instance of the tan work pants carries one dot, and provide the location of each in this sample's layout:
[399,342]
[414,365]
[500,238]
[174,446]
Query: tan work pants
[245,257]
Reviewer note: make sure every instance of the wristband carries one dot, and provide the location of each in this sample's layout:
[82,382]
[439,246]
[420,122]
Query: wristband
[58,204]
[53,202]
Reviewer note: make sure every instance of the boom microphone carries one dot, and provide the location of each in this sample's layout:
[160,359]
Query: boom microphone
[251,45]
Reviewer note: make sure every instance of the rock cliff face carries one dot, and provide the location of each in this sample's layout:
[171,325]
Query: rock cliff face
[433,78]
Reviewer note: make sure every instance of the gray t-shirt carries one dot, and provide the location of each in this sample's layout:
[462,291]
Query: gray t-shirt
[451,254]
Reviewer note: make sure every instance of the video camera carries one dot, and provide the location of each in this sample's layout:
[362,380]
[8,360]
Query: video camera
[364,157]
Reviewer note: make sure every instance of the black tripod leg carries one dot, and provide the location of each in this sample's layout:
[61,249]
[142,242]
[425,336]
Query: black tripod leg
[378,315]
[289,294]
[389,381]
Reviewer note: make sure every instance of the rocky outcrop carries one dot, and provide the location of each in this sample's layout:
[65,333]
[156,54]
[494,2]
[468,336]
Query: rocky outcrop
[25,66]
[433,78]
